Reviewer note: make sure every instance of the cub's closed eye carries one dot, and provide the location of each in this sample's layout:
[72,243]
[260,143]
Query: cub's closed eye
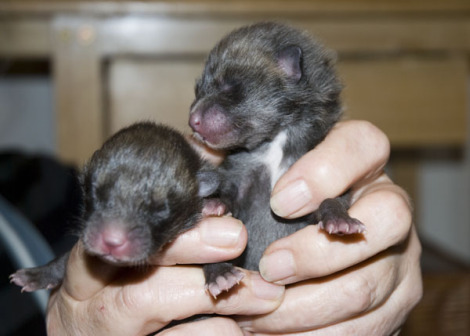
[233,90]
[227,87]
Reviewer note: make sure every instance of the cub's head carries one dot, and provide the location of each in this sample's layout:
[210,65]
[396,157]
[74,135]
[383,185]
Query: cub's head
[261,79]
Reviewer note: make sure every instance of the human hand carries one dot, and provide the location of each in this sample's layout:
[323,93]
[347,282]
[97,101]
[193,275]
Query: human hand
[343,285]
[99,299]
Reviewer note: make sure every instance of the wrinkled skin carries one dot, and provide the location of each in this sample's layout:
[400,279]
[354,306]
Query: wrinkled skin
[360,287]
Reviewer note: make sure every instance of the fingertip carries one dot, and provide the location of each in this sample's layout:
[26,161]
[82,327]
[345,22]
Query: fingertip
[222,232]
[277,266]
[391,209]
[253,296]
[215,157]
[353,150]
[265,290]
[375,137]
[213,239]
[291,200]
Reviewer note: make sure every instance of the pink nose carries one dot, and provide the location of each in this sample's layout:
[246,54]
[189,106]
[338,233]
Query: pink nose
[115,242]
[195,120]
[114,238]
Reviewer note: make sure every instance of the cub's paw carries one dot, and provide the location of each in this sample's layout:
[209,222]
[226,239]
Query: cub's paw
[214,207]
[333,217]
[342,225]
[32,279]
[221,277]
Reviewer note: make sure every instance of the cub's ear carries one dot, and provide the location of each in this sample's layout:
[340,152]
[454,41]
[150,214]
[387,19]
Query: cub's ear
[289,60]
[209,181]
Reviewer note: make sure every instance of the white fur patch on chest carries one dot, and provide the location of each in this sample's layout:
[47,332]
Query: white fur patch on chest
[272,158]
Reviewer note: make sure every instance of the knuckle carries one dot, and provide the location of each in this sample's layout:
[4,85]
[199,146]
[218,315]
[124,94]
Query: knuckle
[324,169]
[375,137]
[360,293]
[397,212]
[416,282]
[399,206]
[128,301]
[131,302]
[417,294]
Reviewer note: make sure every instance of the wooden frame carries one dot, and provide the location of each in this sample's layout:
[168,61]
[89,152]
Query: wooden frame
[80,36]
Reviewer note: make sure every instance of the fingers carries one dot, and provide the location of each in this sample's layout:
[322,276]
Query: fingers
[206,153]
[214,239]
[175,293]
[86,275]
[311,253]
[100,299]
[373,298]
[353,150]
[215,326]
[363,289]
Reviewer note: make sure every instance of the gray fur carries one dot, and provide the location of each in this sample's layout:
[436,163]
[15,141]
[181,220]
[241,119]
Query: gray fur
[147,184]
[258,82]
[145,176]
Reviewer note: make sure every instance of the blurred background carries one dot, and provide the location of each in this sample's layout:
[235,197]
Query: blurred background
[74,72]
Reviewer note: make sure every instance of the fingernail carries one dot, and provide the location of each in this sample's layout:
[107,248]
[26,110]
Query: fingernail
[291,199]
[221,232]
[265,290]
[277,266]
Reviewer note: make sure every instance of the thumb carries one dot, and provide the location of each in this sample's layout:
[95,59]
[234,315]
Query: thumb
[86,275]
[351,151]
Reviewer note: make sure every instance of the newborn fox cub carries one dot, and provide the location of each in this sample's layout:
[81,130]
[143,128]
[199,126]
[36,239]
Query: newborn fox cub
[268,94]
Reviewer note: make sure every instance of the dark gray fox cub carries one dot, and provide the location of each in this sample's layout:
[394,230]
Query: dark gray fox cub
[268,94]
[141,189]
